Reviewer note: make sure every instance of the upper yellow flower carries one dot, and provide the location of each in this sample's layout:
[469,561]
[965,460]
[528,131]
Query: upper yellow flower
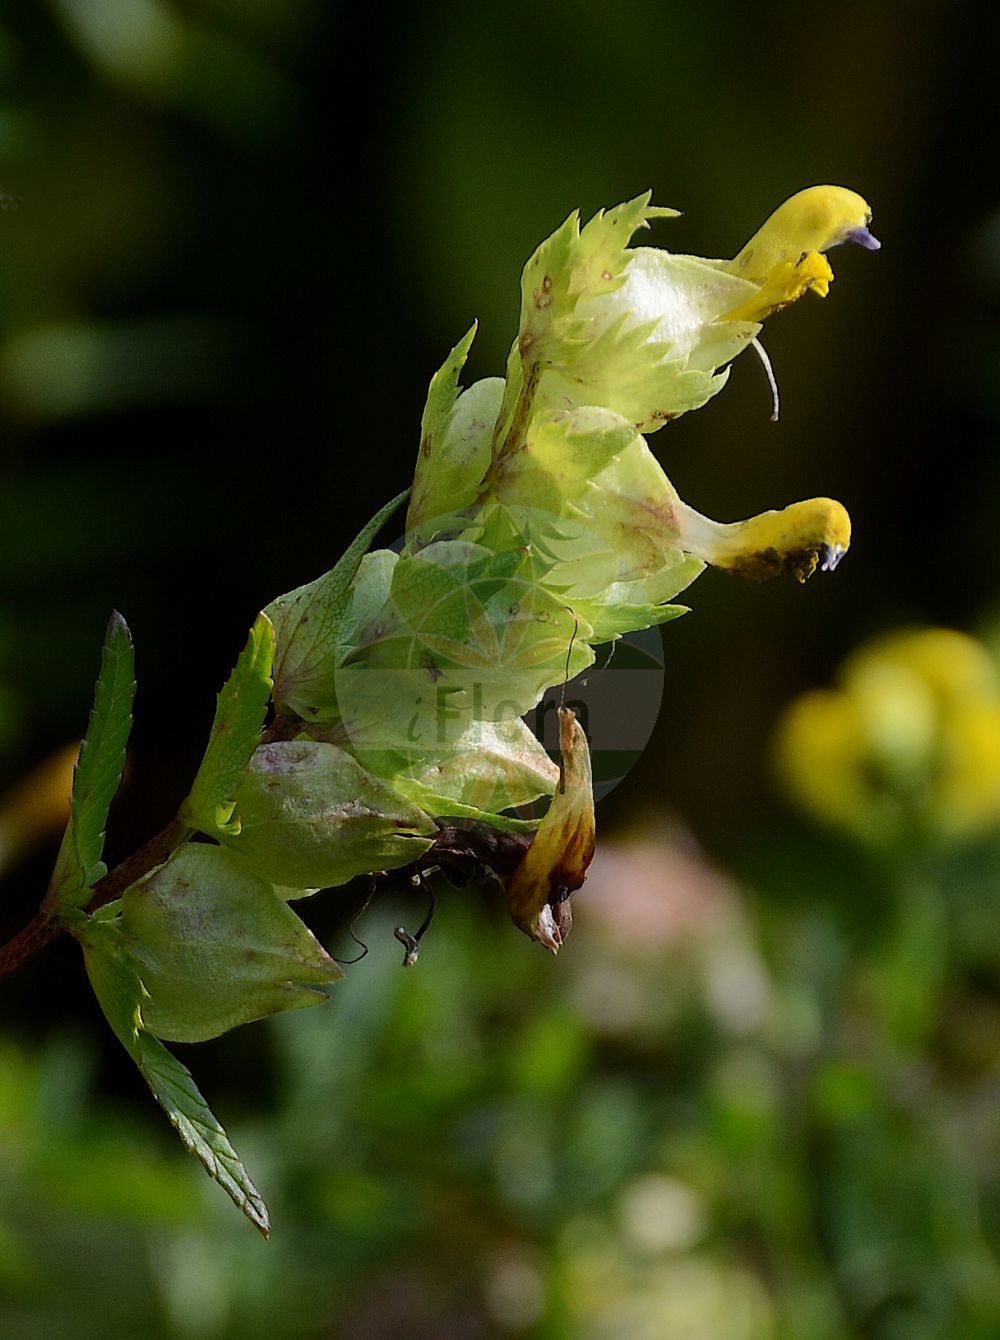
[648,333]
[785,259]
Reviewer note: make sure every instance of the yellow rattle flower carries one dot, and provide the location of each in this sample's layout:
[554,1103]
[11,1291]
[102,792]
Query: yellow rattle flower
[909,741]
[785,257]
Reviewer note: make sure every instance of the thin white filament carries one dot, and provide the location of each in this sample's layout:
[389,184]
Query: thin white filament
[761,353]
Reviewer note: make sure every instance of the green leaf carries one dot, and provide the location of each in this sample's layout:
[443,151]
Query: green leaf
[416,620]
[609,533]
[435,802]
[562,454]
[113,974]
[115,978]
[200,1130]
[453,477]
[306,627]
[98,772]
[612,620]
[468,635]
[239,716]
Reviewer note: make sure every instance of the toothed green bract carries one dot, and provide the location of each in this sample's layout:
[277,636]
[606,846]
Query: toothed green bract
[119,991]
[455,436]
[306,624]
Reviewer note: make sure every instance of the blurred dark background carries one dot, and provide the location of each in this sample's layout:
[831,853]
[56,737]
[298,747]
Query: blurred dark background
[245,234]
[248,233]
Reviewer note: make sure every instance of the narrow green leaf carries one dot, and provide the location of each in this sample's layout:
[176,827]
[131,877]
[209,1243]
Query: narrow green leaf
[199,1129]
[115,978]
[98,772]
[306,623]
[239,716]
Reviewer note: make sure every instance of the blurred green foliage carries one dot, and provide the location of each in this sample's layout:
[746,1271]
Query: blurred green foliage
[246,235]
[690,1125]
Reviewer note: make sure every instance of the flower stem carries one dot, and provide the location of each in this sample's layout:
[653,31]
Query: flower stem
[40,931]
[47,925]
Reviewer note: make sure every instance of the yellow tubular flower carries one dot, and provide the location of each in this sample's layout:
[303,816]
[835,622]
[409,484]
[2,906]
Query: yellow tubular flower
[817,748]
[908,742]
[785,256]
[954,666]
[967,795]
[797,539]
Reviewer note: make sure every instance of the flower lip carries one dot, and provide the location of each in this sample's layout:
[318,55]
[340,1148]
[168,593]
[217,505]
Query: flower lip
[830,556]
[862,238]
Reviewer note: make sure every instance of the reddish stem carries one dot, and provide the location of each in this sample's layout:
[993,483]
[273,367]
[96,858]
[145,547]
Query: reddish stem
[35,936]
[461,852]
[151,853]
[44,927]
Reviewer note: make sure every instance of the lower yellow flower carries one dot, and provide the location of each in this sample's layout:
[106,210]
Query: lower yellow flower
[796,539]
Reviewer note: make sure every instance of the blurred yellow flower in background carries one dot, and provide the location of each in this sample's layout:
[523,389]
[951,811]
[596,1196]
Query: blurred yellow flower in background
[907,744]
